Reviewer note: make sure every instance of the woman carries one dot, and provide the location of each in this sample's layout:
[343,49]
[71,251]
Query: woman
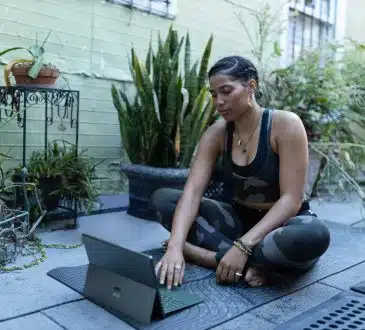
[267,224]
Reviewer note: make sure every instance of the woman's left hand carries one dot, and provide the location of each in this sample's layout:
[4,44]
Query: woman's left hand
[231,266]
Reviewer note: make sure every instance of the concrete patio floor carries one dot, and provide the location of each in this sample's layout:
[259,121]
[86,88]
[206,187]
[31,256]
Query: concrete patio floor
[29,299]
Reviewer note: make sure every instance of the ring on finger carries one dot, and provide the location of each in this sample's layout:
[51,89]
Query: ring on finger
[177,266]
[238,274]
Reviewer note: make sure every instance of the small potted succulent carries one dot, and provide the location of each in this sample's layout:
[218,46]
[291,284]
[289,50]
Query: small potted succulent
[30,71]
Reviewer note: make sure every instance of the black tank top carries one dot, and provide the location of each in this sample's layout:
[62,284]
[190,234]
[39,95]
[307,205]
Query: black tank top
[257,182]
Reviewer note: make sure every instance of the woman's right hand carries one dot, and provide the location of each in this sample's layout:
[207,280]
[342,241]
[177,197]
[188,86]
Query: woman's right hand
[171,267]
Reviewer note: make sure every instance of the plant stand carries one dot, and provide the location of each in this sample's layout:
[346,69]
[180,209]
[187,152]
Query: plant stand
[56,109]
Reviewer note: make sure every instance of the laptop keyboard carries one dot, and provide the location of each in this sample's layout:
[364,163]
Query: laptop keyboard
[169,302]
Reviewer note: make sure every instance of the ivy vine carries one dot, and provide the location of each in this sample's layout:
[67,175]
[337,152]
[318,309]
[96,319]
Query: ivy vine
[36,249]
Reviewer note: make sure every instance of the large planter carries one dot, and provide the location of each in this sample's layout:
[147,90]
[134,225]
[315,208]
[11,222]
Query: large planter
[144,180]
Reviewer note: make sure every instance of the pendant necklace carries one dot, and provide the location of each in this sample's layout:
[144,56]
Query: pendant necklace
[242,145]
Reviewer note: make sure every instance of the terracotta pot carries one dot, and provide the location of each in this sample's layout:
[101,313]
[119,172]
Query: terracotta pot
[46,76]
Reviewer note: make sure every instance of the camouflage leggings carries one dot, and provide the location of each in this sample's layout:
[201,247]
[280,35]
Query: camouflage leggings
[299,243]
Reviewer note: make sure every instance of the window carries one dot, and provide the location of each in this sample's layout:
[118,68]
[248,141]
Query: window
[165,8]
[311,24]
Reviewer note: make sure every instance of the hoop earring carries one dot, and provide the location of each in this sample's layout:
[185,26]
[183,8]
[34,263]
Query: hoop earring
[250,101]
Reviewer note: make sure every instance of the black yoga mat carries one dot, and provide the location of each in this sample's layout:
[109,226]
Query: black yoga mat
[223,302]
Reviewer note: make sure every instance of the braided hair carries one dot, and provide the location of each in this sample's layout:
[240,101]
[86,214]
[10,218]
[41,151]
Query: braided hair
[237,67]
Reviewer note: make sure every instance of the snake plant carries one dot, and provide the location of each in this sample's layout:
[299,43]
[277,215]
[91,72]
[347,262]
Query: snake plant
[163,122]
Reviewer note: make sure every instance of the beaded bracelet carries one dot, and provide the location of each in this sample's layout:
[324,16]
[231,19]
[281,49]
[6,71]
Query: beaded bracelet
[249,249]
[243,247]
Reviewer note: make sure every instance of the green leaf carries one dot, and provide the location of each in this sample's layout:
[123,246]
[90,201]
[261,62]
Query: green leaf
[37,66]
[124,123]
[173,93]
[175,57]
[191,84]
[10,50]
[174,42]
[187,55]
[277,50]
[195,125]
[149,58]
[5,155]
[152,145]
[36,51]
[204,64]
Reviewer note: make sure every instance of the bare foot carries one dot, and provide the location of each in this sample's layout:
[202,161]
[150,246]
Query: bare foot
[197,255]
[255,277]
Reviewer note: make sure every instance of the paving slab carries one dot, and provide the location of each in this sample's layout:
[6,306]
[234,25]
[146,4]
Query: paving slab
[83,315]
[109,203]
[246,321]
[359,224]
[36,321]
[347,278]
[346,212]
[119,228]
[31,290]
[287,307]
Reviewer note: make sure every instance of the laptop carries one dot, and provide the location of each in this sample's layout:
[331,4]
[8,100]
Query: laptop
[124,282]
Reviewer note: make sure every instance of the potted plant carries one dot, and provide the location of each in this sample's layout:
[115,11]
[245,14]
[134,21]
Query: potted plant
[79,174]
[44,169]
[61,173]
[30,71]
[162,123]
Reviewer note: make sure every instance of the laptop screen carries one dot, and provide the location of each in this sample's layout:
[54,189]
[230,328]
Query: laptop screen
[114,258]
